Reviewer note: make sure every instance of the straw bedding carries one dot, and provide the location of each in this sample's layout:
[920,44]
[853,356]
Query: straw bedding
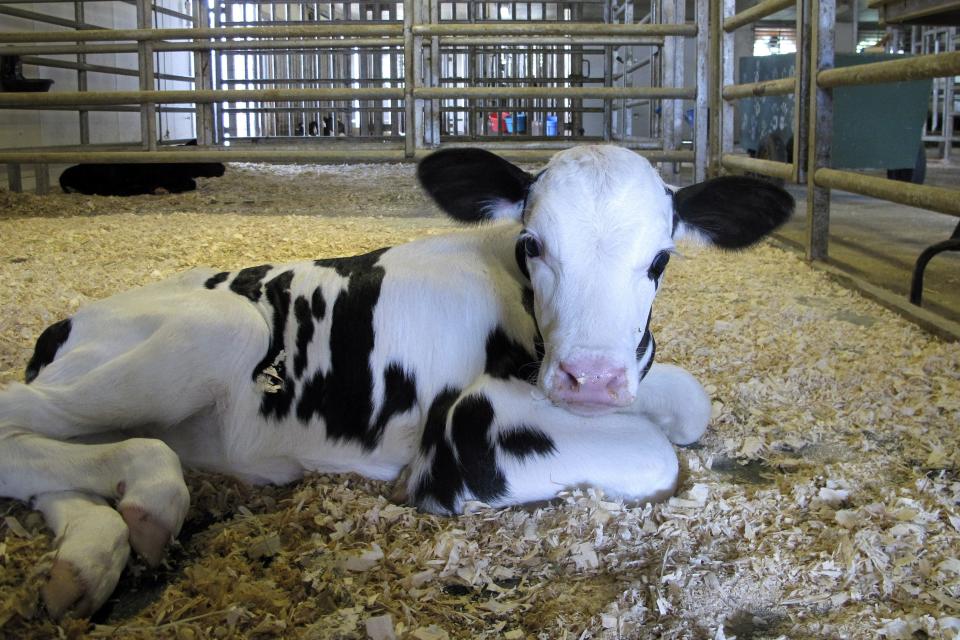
[823,502]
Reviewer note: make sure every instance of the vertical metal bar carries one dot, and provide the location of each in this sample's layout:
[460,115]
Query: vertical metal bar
[608,76]
[854,23]
[821,124]
[409,129]
[801,92]
[84,114]
[700,140]
[435,73]
[148,112]
[41,174]
[472,78]
[680,16]
[948,93]
[15,178]
[714,96]
[221,122]
[202,77]
[726,77]
[668,69]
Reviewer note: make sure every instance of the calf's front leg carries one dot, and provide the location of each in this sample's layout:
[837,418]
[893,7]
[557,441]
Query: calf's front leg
[495,442]
[675,401]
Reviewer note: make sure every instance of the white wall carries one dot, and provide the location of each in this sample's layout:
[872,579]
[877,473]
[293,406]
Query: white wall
[22,128]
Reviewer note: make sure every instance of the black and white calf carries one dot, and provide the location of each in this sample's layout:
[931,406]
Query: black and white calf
[500,364]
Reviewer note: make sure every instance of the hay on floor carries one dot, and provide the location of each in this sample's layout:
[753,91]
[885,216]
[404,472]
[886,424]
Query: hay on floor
[823,502]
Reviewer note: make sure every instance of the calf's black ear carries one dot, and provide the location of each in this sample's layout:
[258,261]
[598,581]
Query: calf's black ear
[731,212]
[473,185]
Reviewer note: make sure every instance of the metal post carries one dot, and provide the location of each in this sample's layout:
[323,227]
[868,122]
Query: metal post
[608,17]
[948,93]
[854,22]
[435,74]
[821,124]
[801,92]
[715,99]
[84,115]
[728,52]
[41,174]
[409,129]
[148,112]
[680,17]
[14,178]
[203,78]
[668,77]
[700,140]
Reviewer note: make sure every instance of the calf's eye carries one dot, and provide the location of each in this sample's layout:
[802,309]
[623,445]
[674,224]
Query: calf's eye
[658,265]
[531,247]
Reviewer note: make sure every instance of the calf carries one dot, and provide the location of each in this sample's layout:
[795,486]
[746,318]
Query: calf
[137,179]
[500,364]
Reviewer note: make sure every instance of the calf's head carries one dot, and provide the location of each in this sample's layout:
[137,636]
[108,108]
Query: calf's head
[597,227]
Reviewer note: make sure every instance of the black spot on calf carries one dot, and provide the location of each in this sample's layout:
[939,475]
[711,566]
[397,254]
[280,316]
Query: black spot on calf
[444,483]
[277,402]
[344,396]
[318,304]
[470,463]
[301,311]
[399,396]
[471,424]
[525,441]
[248,281]
[508,358]
[216,279]
[47,346]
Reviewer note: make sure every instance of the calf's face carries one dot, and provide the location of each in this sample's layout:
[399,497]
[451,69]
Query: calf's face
[598,226]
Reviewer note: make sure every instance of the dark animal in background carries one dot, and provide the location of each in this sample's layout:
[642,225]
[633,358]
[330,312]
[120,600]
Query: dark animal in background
[137,179]
[328,127]
[314,129]
[12,80]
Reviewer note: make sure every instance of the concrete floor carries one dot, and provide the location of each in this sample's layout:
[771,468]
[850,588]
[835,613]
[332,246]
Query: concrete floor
[879,241]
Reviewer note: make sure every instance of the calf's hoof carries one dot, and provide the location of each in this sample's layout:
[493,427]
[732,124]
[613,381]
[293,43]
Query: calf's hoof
[148,537]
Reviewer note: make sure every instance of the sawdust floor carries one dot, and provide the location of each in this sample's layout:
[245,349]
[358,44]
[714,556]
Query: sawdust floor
[823,502]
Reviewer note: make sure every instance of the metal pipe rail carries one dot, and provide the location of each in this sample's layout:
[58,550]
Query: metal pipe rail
[535,41]
[779,87]
[782,170]
[153,35]
[200,96]
[554,29]
[204,45]
[97,68]
[76,98]
[936,65]
[754,13]
[551,92]
[913,195]
[282,156]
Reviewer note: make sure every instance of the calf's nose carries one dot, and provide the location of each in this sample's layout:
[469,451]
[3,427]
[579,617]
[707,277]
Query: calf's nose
[591,380]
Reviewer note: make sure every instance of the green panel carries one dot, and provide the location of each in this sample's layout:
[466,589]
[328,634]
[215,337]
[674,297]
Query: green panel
[875,126]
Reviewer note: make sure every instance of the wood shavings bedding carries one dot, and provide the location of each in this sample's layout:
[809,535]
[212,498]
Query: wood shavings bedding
[823,501]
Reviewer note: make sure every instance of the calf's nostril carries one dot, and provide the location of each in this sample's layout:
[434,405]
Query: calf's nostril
[571,376]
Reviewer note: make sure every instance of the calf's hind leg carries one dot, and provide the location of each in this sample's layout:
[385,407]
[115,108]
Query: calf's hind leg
[92,549]
[71,484]
[495,443]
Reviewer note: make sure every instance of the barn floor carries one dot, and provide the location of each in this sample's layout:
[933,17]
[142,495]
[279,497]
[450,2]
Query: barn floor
[823,502]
